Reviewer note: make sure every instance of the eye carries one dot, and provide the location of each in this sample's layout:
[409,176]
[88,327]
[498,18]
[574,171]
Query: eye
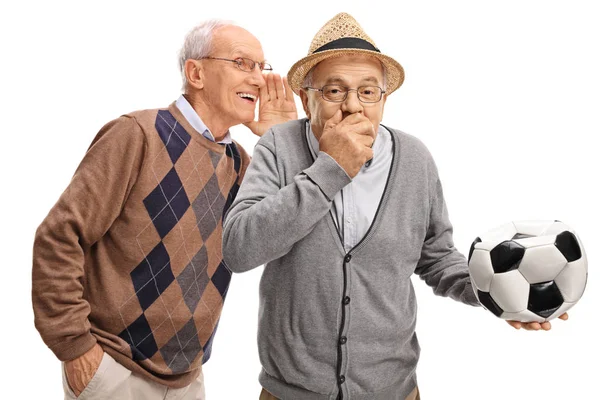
[245,64]
[332,90]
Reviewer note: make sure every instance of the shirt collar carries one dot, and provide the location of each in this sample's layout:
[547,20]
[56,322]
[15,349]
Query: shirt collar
[314,143]
[196,122]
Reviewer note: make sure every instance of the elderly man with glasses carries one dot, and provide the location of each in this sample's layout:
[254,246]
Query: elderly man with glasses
[342,210]
[128,276]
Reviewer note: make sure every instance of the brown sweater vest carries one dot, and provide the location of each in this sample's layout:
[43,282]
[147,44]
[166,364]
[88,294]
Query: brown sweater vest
[130,255]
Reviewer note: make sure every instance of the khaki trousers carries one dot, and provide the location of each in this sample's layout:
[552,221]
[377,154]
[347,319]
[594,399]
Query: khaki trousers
[264,395]
[112,381]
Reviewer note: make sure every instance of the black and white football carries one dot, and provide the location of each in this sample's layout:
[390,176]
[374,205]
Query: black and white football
[528,270]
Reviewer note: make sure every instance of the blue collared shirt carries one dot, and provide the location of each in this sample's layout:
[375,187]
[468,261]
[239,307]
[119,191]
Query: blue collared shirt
[196,122]
[356,204]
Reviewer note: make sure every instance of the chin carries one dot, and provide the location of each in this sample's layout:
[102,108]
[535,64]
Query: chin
[246,117]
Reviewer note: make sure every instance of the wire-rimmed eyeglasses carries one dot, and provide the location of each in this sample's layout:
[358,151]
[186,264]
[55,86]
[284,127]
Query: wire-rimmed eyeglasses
[245,64]
[339,93]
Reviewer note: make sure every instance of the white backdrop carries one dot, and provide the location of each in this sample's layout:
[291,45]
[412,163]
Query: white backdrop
[506,95]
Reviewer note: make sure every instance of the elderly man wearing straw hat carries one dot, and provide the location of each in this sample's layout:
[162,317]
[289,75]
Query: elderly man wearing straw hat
[342,210]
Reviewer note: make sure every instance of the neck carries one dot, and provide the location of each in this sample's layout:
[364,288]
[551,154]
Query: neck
[212,118]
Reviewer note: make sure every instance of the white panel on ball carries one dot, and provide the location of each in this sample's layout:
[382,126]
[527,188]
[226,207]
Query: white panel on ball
[583,253]
[572,279]
[542,263]
[510,290]
[503,232]
[482,275]
[556,228]
[486,245]
[533,228]
[536,241]
[523,316]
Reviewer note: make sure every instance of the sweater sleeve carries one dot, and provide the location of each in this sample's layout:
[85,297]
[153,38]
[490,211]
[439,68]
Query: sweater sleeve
[82,215]
[441,265]
[266,219]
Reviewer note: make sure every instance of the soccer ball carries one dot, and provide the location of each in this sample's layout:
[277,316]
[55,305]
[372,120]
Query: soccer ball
[528,270]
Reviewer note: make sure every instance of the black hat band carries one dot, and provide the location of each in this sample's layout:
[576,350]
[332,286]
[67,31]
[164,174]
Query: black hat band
[347,43]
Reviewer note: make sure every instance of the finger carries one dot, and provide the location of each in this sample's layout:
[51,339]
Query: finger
[546,326]
[363,128]
[256,128]
[368,153]
[271,87]
[289,93]
[533,326]
[515,324]
[360,123]
[364,140]
[279,86]
[263,92]
[366,128]
[527,327]
[564,317]
[353,119]
[334,120]
[352,123]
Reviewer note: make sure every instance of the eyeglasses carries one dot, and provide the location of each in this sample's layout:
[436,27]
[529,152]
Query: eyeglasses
[338,93]
[245,64]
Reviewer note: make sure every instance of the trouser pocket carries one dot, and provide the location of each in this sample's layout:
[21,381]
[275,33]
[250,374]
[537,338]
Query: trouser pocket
[108,379]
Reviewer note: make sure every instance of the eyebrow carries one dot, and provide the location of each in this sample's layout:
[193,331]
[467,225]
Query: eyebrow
[243,54]
[370,79]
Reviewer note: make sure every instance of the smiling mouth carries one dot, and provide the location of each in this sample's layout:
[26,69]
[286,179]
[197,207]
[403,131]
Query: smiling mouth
[247,96]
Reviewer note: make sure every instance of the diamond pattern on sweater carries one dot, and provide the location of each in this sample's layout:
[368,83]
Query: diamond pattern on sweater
[152,276]
[194,278]
[172,134]
[140,338]
[182,349]
[167,203]
[183,276]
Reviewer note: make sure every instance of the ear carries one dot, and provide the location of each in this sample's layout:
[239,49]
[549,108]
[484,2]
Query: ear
[194,73]
[304,98]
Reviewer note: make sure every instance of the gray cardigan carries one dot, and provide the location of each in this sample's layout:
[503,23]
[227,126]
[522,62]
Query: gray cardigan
[331,321]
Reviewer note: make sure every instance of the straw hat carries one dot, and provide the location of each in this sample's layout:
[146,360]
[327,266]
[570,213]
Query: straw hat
[340,36]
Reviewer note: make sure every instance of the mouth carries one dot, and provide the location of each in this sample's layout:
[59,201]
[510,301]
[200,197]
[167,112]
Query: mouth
[250,98]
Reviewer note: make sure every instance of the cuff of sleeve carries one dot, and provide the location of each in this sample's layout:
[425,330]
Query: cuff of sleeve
[70,349]
[470,297]
[328,175]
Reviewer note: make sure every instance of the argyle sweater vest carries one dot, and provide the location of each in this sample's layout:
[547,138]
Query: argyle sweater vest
[130,256]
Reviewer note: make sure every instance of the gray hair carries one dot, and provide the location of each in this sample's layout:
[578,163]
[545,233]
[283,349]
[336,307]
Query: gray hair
[307,81]
[198,43]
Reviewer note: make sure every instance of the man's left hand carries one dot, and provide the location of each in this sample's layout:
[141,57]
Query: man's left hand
[535,326]
[276,105]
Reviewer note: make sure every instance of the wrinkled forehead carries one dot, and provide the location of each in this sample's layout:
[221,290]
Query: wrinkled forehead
[348,70]
[235,41]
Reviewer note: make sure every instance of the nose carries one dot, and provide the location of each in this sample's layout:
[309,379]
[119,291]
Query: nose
[352,105]
[257,77]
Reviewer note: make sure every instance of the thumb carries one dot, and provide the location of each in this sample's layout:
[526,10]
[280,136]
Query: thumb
[254,127]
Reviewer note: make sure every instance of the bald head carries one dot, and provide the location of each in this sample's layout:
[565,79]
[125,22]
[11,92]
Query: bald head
[234,39]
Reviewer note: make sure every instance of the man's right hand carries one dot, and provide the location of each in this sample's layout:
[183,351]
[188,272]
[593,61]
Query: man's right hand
[348,141]
[81,370]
